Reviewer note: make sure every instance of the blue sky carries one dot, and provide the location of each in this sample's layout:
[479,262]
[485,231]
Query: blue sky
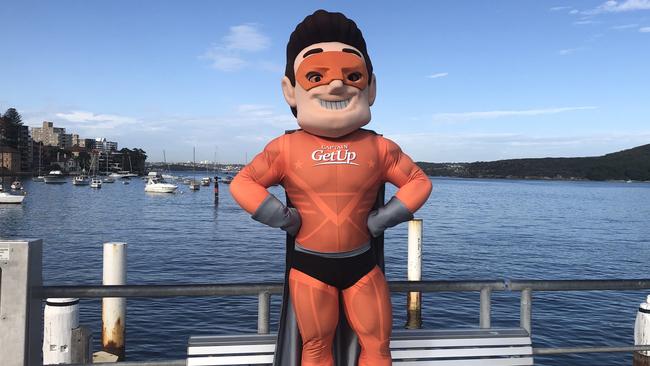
[457,80]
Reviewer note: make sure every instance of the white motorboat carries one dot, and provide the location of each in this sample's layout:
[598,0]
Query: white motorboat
[96,183]
[156,184]
[109,179]
[39,178]
[227,179]
[9,198]
[55,177]
[194,185]
[205,181]
[16,185]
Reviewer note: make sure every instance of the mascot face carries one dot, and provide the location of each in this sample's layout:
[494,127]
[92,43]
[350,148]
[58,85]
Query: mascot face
[333,92]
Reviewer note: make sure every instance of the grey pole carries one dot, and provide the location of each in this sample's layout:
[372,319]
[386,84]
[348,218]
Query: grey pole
[20,318]
[263,312]
[526,310]
[486,307]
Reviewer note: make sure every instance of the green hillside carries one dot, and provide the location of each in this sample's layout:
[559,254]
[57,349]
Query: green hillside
[632,164]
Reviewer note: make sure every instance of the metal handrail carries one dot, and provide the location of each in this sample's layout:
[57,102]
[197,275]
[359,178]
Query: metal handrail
[265,290]
[99,291]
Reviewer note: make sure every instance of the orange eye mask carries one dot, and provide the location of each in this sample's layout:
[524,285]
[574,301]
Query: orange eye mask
[324,67]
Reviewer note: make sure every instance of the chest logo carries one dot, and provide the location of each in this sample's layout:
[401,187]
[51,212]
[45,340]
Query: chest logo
[333,155]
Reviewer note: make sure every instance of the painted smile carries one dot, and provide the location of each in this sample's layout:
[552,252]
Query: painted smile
[334,105]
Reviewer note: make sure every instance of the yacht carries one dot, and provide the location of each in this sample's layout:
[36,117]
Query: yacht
[55,177]
[81,180]
[6,197]
[16,185]
[157,184]
[227,179]
[96,183]
[39,178]
[205,181]
[109,179]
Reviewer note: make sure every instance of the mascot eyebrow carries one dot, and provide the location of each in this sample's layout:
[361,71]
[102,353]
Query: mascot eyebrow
[319,50]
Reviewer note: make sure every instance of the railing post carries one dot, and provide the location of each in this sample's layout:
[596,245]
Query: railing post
[20,314]
[526,310]
[414,299]
[114,308]
[263,312]
[486,308]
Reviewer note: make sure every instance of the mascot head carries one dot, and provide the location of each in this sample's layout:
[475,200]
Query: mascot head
[328,80]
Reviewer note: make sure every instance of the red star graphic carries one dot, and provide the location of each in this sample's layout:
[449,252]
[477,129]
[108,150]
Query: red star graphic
[298,164]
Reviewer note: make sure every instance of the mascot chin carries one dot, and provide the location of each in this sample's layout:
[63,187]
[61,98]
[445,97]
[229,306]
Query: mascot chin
[332,171]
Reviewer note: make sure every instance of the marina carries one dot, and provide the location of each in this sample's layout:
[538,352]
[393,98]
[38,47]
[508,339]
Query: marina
[505,231]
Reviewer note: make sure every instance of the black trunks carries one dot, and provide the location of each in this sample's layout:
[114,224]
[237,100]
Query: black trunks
[337,272]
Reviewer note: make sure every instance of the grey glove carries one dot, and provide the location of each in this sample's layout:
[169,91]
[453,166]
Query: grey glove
[392,213]
[274,213]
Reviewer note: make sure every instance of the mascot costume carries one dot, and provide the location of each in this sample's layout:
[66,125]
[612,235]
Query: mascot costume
[332,171]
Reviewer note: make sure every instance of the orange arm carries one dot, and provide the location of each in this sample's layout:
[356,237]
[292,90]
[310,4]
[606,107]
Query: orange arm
[249,189]
[249,186]
[414,186]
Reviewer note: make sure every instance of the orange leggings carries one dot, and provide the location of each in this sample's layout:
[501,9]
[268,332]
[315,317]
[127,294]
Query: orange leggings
[367,308]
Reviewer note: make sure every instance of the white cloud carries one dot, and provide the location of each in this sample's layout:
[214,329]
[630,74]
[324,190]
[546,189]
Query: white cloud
[644,30]
[567,51]
[229,54]
[624,26]
[612,6]
[558,8]
[467,116]
[438,75]
[89,117]
[246,37]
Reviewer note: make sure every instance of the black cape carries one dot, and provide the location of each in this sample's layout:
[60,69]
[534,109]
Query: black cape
[288,347]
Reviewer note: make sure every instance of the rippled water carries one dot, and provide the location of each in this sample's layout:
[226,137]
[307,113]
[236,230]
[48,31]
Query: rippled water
[473,229]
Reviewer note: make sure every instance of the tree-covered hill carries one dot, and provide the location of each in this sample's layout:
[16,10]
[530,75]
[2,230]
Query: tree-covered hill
[632,164]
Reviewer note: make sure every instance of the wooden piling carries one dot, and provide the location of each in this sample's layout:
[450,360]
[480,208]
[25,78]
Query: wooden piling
[216,189]
[114,309]
[414,299]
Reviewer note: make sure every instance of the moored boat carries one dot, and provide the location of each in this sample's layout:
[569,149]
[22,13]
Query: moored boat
[81,180]
[157,184]
[55,177]
[16,185]
[8,198]
[96,183]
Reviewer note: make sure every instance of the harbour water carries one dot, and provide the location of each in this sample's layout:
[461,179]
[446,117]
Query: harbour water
[473,230]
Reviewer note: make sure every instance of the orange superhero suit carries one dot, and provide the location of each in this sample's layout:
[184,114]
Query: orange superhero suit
[333,183]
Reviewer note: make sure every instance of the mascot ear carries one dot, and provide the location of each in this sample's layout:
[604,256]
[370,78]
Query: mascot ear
[289,92]
[372,92]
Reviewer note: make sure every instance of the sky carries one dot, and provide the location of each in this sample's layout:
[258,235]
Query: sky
[458,81]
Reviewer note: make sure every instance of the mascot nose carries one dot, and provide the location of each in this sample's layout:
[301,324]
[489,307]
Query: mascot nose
[336,86]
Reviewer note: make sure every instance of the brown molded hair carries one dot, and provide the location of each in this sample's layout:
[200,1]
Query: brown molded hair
[323,26]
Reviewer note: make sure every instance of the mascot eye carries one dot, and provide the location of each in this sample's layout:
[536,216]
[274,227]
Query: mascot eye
[355,76]
[314,77]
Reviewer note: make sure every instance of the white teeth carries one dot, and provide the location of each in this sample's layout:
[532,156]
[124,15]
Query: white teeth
[336,105]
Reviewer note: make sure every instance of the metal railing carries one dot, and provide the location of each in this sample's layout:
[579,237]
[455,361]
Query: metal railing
[264,291]
[24,259]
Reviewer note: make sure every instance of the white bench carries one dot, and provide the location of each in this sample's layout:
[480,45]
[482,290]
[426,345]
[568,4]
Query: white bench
[463,347]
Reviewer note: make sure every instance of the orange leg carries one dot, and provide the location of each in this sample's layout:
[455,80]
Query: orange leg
[369,312]
[317,311]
